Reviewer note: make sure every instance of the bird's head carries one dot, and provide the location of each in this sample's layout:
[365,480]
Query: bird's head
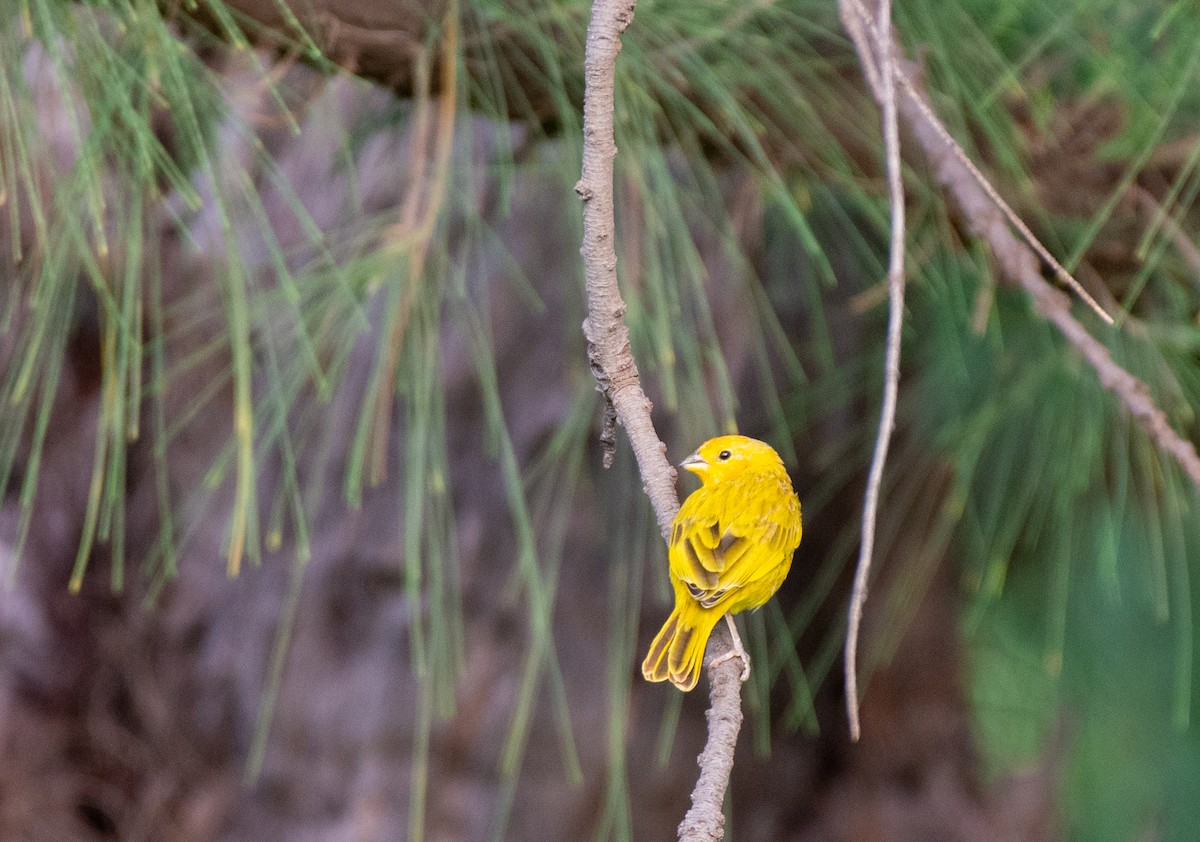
[726,456]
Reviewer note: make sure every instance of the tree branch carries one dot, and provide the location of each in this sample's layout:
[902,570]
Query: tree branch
[705,820]
[991,219]
[885,91]
[617,379]
[604,328]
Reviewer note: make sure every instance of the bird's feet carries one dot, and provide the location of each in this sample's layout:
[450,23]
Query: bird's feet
[738,651]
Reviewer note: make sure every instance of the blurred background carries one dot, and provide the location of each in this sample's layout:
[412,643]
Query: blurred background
[305,533]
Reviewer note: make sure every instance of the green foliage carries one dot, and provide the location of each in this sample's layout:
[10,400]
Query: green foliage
[1079,563]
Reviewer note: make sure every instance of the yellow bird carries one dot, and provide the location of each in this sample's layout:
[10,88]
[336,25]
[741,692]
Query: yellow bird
[731,548]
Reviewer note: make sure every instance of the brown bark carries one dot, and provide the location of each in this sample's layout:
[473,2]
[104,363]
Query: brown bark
[381,40]
[617,378]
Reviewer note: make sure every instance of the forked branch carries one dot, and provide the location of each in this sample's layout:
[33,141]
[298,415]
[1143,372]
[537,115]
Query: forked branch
[1019,255]
[881,72]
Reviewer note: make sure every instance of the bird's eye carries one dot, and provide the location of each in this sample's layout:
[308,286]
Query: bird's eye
[723,455]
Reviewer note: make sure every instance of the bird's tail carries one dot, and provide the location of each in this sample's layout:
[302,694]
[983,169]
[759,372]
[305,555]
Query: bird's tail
[677,653]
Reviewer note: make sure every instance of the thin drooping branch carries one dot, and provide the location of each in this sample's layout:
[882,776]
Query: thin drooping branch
[886,91]
[617,379]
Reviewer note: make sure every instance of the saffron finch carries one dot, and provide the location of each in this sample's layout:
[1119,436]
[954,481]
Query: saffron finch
[731,548]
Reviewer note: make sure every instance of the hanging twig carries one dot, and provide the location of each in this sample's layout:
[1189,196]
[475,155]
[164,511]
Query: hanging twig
[617,379]
[886,91]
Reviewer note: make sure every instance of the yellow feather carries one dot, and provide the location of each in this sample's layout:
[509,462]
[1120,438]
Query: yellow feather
[731,548]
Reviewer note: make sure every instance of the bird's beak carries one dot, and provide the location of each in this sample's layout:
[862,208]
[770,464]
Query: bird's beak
[694,463]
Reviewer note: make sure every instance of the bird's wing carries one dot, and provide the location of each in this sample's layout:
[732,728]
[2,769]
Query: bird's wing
[716,549]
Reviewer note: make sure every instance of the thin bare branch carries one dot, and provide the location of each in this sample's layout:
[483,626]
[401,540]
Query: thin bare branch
[617,379]
[886,92]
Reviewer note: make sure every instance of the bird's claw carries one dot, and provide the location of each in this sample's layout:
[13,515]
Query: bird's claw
[735,651]
[729,656]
